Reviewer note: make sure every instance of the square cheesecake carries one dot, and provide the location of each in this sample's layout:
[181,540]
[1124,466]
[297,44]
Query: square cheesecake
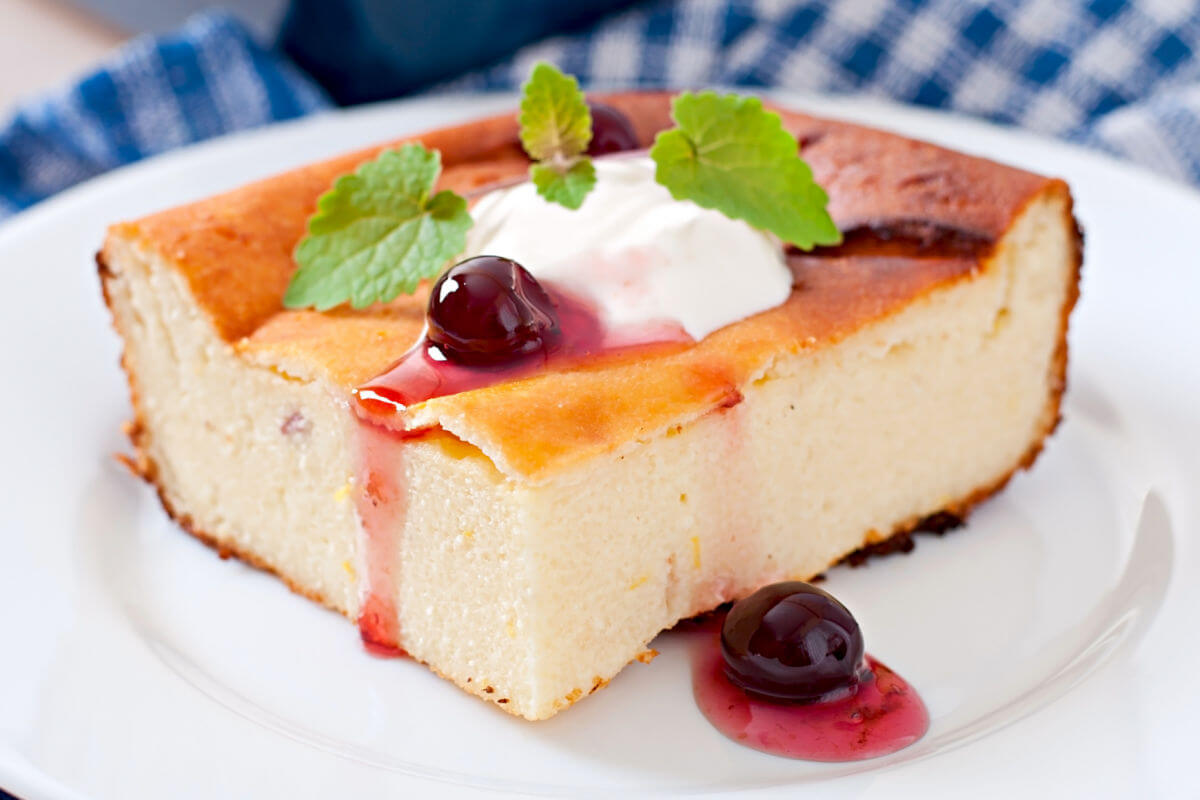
[529,539]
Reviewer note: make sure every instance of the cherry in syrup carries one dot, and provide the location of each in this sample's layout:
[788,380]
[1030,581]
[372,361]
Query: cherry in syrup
[488,311]
[792,642]
[788,675]
[612,132]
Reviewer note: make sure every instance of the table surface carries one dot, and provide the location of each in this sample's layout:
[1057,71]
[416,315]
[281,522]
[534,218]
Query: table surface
[45,43]
[42,44]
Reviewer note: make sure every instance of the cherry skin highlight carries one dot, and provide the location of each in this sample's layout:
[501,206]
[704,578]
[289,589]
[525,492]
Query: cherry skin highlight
[791,642]
[612,132]
[489,311]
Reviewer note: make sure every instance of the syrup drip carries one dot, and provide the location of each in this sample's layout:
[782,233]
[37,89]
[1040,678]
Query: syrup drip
[424,373]
[381,501]
[883,716]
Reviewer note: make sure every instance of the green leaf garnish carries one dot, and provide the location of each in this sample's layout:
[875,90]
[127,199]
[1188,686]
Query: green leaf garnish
[378,232]
[556,127]
[567,189]
[730,154]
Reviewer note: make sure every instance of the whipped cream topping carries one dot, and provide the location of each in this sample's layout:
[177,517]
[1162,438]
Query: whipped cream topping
[644,259]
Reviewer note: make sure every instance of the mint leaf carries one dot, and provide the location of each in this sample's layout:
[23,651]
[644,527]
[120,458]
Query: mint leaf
[567,189]
[555,120]
[377,233]
[556,127]
[730,154]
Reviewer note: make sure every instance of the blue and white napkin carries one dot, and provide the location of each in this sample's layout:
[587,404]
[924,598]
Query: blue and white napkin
[1117,75]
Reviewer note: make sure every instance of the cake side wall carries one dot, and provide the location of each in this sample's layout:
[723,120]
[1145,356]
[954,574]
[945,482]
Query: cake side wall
[462,572]
[570,579]
[250,461]
[929,410]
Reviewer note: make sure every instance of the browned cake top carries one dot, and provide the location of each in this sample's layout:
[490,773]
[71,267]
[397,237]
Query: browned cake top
[916,216]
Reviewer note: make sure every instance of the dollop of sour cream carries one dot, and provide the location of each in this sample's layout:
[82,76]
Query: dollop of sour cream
[644,259]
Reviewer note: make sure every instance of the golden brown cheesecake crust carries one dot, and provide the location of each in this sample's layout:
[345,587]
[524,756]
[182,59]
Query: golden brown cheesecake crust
[916,216]
[235,249]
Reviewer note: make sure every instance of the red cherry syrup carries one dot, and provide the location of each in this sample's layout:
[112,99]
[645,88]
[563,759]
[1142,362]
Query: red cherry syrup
[427,371]
[884,715]
[381,507]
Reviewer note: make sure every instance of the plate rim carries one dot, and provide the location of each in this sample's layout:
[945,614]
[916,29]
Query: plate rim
[18,775]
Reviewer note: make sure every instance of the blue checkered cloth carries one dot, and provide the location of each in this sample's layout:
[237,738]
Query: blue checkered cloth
[1112,74]
[155,94]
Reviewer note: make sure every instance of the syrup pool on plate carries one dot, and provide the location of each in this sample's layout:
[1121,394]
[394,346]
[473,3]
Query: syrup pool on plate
[851,706]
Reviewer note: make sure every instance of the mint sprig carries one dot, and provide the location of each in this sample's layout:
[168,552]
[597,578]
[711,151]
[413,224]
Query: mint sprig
[730,154]
[556,127]
[382,230]
[378,233]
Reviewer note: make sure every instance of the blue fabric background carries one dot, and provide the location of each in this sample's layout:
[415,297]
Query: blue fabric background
[366,50]
[156,94]
[1122,76]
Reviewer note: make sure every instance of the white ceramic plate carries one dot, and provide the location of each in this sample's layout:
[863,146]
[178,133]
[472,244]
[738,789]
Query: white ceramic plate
[1053,639]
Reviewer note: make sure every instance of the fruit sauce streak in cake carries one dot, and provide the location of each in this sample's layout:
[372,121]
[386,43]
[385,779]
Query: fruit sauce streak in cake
[489,322]
[381,506]
[843,705]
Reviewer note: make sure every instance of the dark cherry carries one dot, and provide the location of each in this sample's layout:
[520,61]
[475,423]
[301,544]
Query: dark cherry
[792,642]
[612,132]
[488,311]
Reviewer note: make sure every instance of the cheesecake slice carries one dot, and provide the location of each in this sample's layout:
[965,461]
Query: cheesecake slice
[529,539]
